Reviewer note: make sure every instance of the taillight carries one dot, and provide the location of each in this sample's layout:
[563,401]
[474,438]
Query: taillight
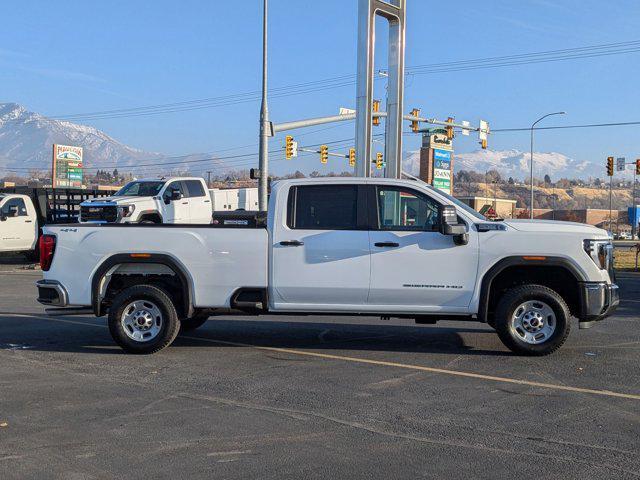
[47,249]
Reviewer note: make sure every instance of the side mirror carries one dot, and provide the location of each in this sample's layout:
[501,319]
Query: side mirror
[448,221]
[3,218]
[172,196]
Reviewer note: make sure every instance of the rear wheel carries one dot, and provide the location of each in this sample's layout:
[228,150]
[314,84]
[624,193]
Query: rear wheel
[532,320]
[143,319]
[191,323]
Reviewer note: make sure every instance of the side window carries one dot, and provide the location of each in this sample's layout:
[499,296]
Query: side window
[173,186]
[15,202]
[323,207]
[403,209]
[194,188]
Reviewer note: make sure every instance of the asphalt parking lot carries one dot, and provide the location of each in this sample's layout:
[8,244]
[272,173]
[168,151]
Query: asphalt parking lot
[334,397]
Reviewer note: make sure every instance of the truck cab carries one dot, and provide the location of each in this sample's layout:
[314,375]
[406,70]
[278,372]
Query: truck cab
[183,200]
[18,223]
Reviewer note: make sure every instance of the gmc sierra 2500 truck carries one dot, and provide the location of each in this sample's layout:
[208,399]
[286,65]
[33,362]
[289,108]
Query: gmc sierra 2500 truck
[389,248]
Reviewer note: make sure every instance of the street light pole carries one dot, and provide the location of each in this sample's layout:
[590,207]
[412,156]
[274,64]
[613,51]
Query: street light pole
[532,126]
[264,123]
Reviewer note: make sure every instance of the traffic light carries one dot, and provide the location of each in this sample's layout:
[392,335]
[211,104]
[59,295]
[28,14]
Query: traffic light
[449,128]
[324,154]
[379,161]
[415,125]
[289,147]
[638,167]
[352,157]
[376,109]
[610,166]
[484,144]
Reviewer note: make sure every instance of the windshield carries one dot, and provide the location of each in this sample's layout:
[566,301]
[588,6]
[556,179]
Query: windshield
[459,204]
[140,189]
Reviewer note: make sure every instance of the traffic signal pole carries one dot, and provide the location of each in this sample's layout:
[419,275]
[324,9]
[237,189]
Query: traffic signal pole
[265,125]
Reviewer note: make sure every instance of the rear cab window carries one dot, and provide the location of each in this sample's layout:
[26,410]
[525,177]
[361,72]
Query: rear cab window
[194,188]
[327,207]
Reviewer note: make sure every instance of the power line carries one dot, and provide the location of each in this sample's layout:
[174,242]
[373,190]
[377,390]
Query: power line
[560,127]
[348,80]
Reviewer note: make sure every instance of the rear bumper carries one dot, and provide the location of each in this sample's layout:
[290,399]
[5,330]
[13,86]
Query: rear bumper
[598,301]
[52,293]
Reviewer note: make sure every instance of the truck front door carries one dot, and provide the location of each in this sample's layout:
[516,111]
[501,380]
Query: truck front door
[17,228]
[320,249]
[414,266]
[176,210]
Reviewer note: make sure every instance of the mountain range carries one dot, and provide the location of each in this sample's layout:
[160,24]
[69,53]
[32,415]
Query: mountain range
[514,163]
[26,140]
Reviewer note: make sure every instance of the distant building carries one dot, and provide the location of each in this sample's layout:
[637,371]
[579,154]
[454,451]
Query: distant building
[491,207]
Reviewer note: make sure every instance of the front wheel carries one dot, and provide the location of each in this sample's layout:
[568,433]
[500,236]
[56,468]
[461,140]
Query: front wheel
[143,319]
[532,320]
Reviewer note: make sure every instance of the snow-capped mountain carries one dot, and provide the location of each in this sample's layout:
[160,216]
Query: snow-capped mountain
[26,140]
[514,163]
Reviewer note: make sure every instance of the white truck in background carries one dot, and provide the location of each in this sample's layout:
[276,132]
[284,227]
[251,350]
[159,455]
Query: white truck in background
[353,246]
[18,224]
[181,200]
[25,210]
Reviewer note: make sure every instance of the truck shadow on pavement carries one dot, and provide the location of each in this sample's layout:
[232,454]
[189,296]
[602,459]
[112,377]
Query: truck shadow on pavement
[64,335]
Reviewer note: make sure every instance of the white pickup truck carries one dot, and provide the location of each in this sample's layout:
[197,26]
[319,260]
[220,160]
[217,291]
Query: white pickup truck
[18,224]
[172,200]
[388,248]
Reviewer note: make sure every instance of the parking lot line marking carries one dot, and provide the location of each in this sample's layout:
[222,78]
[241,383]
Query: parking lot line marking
[406,366]
[457,373]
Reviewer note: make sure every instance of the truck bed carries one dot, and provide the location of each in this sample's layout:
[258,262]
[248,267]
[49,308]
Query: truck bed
[216,260]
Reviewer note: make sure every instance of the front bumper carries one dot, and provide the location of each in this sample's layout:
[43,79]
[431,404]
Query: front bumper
[52,293]
[598,301]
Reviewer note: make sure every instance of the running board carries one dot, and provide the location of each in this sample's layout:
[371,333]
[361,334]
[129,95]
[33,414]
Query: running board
[61,312]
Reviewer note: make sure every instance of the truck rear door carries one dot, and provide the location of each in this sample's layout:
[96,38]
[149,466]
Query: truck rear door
[320,249]
[199,202]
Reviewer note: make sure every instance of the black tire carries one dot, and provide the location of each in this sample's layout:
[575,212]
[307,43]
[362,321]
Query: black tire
[169,322]
[148,221]
[192,323]
[513,337]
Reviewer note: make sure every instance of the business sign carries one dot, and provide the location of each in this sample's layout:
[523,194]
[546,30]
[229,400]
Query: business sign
[67,166]
[442,170]
[440,141]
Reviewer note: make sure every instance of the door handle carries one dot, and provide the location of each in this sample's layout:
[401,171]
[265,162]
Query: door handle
[291,243]
[28,221]
[185,203]
[387,244]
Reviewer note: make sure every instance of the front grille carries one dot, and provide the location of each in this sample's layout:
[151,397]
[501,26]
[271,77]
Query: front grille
[99,214]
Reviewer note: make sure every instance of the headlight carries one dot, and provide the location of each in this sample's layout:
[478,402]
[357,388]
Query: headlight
[600,251]
[126,210]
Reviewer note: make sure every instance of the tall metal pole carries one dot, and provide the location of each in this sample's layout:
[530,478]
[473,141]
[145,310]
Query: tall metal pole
[610,204]
[263,181]
[531,158]
[634,220]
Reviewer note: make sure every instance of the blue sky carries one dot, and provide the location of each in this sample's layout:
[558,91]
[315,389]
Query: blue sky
[74,56]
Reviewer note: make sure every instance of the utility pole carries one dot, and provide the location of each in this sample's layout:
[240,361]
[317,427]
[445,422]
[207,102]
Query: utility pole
[209,179]
[532,126]
[264,122]
[610,204]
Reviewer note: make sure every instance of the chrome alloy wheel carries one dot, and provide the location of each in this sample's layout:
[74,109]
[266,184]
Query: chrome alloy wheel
[141,320]
[533,322]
